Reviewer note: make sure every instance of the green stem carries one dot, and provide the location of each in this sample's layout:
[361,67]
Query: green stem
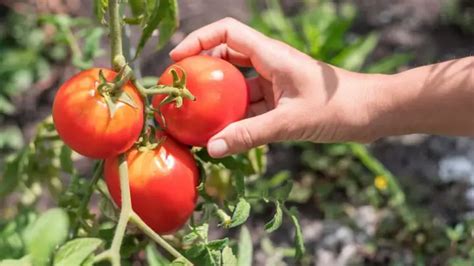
[73,44]
[141,89]
[398,200]
[113,254]
[223,216]
[115,23]
[90,189]
[157,238]
[126,208]
[163,90]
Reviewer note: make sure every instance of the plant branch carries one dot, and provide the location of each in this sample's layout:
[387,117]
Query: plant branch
[157,238]
[115,25]
[113,254]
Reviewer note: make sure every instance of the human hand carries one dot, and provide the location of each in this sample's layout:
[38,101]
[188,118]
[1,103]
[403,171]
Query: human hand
[294,97]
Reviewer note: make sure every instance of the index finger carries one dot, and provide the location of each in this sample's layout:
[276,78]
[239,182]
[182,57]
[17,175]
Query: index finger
[235,34]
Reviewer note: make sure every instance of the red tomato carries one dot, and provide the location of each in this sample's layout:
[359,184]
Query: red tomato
[163,184]
[221,98]
[83,121]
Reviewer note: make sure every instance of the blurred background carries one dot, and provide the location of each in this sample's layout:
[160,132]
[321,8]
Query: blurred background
[351,210]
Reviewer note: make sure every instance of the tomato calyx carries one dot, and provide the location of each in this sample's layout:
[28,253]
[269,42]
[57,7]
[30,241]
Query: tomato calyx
[150,140]
[112,91]
[176,93]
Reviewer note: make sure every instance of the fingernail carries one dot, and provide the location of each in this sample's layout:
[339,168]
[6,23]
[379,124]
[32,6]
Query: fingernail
[217,148]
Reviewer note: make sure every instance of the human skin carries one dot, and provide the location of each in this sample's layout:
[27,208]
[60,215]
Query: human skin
[295,97]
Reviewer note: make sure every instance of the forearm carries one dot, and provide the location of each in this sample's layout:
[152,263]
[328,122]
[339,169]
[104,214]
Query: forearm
[434,99]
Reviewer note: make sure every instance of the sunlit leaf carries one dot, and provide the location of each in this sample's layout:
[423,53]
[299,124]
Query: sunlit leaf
[299,241]
[353,57]
[76,251]
[165,10]
[100,8]
[240,214]
[169,24]
[45,234]
[389,64]
[154,258]
[245,248]
[137,6]
[228,257]
[277,219]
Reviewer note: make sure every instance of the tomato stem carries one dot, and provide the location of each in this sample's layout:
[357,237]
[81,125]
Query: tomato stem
[157,238]
[119,64]
[115,25]
[113,253]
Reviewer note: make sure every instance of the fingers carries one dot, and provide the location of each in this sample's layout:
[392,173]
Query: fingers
[258,88]
[223,51]
[236,35]
[246,134]
[258,108]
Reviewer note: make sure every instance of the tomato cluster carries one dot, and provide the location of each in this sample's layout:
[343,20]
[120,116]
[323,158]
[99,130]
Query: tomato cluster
[101,121]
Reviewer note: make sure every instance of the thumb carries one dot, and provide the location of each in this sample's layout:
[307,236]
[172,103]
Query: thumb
[246,134]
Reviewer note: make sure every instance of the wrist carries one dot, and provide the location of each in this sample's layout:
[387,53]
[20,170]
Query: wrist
[395,105]
[384,106]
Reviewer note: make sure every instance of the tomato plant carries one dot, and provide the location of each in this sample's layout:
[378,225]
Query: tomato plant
[153,179]
[88,124]
[221,98]
[163,181]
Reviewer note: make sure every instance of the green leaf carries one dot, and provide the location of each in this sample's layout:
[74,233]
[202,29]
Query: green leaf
[91,48]
[389,64]
[25,261]
[277,219]
[137,6]
[241,213]
[239,183]
[213,257]
[299,241]
[12,174]
[245,248]
[281,193]
[45,234]
[76,251]
[208,257]
[169,24]
[228,257]
[154,258]
[198,233]
[65,157]
[279,178]
[179,262]
[258,159]
[11,137]
[100,8]
[166,11]
[150,6]
[195,251]
[11,241]
[353,57]
[218,244]
[6,107]
[238,162]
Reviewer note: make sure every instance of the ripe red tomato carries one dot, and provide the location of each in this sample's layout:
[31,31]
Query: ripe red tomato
[83,121]
[163,184]
[221,98]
